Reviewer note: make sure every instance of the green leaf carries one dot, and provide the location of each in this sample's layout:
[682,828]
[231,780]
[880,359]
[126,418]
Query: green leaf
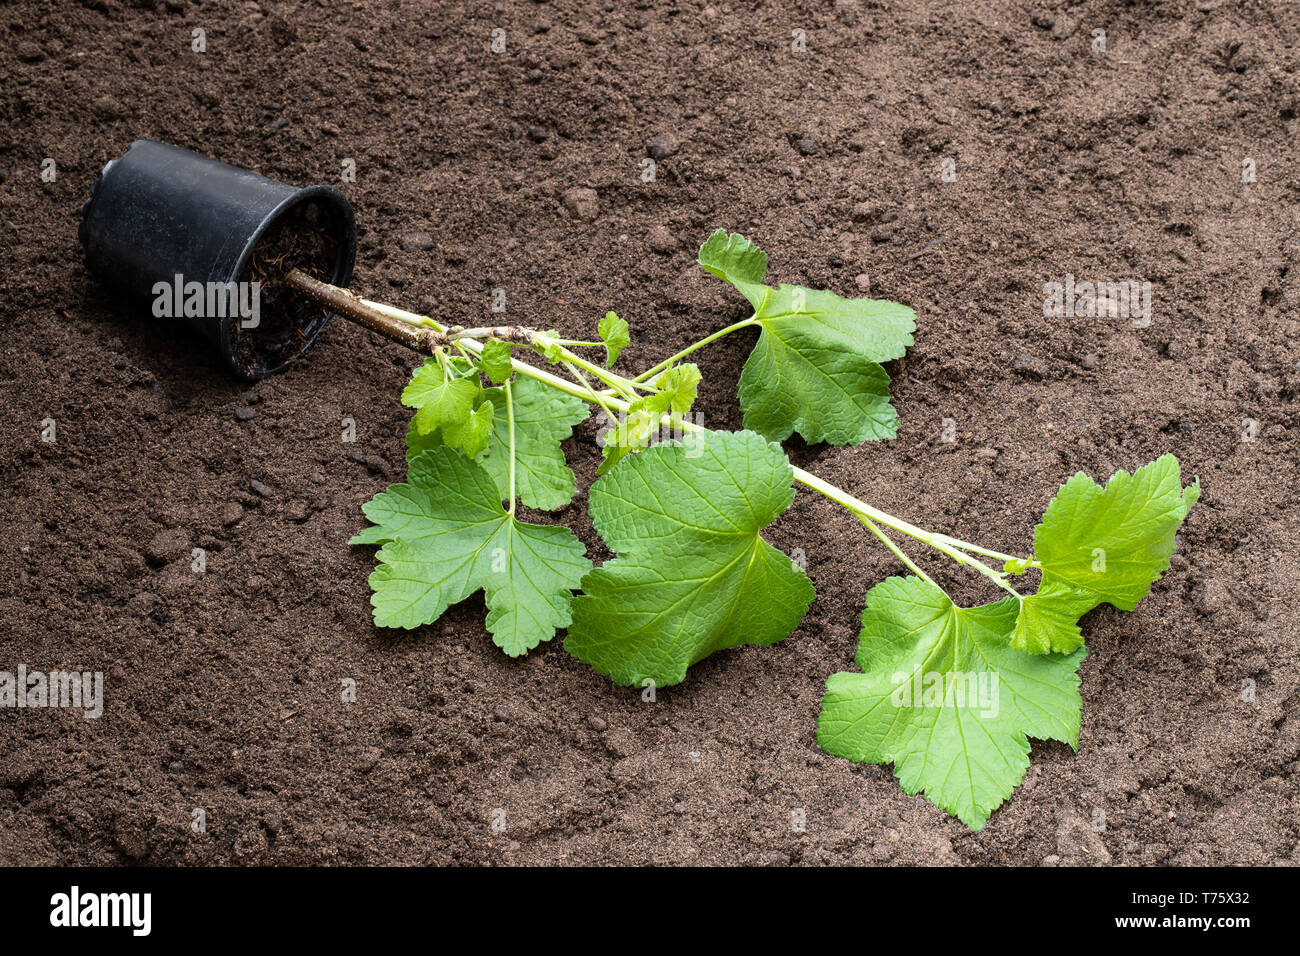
[616,336]
[642,423]
[873,328]
[680,385]
[543,419]
[638,425]
[496,360]
[644,419]
[692,574]
[735,259]
[1115,541]
[1049,620]
[1099,545]
[553,351]
[445,536]
[471,436]
[946,700]
[442,396]
[816,367]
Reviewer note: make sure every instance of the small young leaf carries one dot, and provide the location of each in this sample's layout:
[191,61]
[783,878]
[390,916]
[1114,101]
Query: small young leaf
[1049,620]
[680,384]
[634,431]
[496,360]
[553,352]
[543,419]
[693,574]
[442,396]
[471,436]
[616,336]
[1099,545]
[643,420]
[445,535]
[945,700]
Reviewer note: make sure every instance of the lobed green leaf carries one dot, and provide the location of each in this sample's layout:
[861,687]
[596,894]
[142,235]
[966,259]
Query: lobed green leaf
[444,535]
[735,259]
[441,396]
[496,361]
[816,367]
[944,698]
[1098,545]
[692,574]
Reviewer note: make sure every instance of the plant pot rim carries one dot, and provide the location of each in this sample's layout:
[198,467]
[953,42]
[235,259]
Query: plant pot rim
[341,271]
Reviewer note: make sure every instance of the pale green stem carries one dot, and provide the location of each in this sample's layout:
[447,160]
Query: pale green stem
[976,549]
[940,542]
[616,382]
[459,348]
[510,417]
[752,320]
[643,386]
[997,577]
[592,394]
[898,552]
[410,318]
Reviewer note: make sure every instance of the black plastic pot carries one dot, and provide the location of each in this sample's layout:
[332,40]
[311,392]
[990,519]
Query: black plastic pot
[159,212]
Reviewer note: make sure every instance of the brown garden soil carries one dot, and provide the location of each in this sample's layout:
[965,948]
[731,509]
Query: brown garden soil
[222,689]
